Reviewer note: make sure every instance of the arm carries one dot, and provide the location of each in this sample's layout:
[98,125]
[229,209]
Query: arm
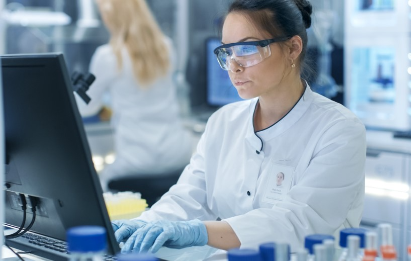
[221,235]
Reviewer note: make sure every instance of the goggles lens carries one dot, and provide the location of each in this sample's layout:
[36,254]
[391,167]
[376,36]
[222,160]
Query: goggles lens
[245,54]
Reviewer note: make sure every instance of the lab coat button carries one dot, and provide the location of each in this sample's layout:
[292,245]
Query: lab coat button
[257,152]
[248,193]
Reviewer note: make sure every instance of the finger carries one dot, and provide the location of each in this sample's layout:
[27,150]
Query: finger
[123,233]
[160,240]
[139,238]
[115,225]
[129,245]
[149,238]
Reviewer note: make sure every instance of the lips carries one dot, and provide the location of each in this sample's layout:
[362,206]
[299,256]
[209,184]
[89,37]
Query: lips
[240,82]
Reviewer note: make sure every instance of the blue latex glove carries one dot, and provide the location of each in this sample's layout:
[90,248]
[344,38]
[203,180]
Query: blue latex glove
[123,229]
[173,234]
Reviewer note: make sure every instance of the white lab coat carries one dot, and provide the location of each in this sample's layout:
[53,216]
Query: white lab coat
[319,142]
[149,135]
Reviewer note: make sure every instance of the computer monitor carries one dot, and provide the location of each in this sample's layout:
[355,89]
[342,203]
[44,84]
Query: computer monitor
[47,153]
[220,90]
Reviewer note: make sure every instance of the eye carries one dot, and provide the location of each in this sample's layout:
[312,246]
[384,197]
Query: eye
[243,50]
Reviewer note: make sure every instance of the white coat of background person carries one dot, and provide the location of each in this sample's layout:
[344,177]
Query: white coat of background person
[136,68]
[318,144]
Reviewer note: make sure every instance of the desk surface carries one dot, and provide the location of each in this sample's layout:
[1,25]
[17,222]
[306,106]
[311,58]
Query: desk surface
[8,255]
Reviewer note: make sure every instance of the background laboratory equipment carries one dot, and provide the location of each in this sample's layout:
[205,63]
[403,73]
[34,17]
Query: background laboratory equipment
[377,63]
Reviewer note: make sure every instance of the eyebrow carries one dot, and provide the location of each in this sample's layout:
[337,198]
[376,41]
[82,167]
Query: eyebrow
[244,39]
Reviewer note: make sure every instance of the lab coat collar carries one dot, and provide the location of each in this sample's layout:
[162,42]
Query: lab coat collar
[255,139]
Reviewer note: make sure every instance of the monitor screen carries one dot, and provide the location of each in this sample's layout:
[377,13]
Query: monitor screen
[220,90]
[47,154]
[375,5]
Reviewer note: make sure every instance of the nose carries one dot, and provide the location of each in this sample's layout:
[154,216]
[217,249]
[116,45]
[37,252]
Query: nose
[234,66]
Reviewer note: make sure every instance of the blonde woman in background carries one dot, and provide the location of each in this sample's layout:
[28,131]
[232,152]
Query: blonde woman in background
[136,67]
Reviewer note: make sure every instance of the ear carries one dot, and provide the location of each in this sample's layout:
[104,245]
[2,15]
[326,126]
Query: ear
[296,47]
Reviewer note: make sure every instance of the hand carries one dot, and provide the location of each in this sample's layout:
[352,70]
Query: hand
[173,234]
[123,229]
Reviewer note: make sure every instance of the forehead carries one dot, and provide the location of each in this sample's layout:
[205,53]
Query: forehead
[238,26]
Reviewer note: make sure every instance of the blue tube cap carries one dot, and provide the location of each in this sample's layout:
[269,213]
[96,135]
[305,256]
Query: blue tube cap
[267,251]
[314,239]
[243,255]
[344,233]
[86,239]
[136,257]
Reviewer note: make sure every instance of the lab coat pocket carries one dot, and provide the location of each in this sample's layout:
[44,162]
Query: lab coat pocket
[278,183]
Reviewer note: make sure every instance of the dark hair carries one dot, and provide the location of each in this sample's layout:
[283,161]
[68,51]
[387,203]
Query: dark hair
[278,17]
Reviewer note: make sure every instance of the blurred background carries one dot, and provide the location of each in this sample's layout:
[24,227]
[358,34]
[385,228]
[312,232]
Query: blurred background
[359,50]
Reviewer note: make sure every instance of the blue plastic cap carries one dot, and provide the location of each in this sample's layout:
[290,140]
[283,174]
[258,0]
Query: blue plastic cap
[136,257]
[344,233]
[86,239]
[312,240]
[267,251]
[243,255]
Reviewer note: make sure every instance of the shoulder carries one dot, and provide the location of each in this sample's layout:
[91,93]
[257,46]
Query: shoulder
[335,118]
[104,54]
[326,108]
[103,57]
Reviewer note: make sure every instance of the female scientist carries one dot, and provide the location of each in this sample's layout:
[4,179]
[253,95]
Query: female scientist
[136,69]
[227,196]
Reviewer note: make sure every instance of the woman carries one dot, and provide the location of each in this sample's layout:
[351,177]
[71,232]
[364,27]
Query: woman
[136,68]
[284,127]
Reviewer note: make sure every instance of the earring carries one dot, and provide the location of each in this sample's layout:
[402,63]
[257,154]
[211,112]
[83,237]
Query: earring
[292,63]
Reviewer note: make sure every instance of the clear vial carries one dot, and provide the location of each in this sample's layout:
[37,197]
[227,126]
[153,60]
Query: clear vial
[301,255]
[329,249]
[86,243]
[320,253]
[312,240]
[386,245]
[353,248]
[282,252]
[370,249]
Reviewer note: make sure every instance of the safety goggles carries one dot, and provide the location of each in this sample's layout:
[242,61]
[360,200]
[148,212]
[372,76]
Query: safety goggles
[245,54]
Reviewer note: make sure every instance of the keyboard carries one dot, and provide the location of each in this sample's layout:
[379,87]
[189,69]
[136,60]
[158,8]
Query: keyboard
[43,246]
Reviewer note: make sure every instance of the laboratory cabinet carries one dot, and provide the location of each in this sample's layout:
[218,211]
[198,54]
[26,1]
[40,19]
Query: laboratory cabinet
[387,187]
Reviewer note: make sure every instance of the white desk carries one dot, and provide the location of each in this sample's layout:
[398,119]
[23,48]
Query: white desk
[8,255]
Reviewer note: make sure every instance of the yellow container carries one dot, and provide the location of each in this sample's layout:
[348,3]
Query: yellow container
[124,205]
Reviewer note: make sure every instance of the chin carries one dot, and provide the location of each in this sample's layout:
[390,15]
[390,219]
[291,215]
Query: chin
[246,95]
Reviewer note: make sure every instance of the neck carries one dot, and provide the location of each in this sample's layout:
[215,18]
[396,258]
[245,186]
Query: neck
[273,106]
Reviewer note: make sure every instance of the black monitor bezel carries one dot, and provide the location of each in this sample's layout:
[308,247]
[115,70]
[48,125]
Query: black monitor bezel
[55,64]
